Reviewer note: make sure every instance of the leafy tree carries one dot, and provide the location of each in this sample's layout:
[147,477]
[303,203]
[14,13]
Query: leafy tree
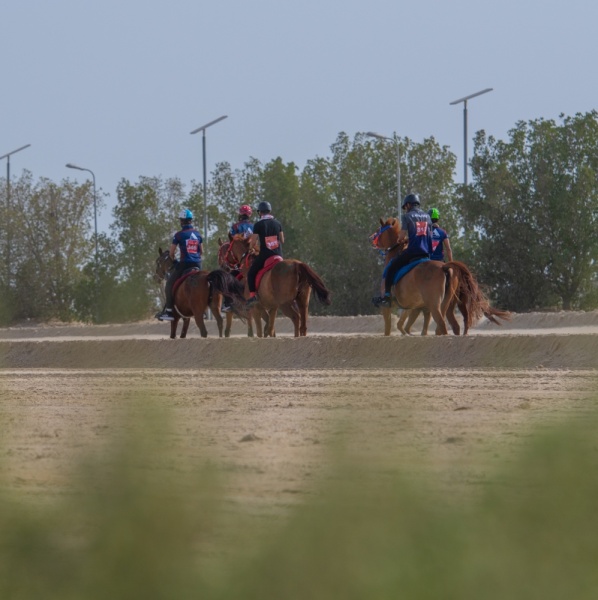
[532,211]
[145,217]
[50,242]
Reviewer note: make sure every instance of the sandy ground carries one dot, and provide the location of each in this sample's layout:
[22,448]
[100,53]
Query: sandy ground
[266,410]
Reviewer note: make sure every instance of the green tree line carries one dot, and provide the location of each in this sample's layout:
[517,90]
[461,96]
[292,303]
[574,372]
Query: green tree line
[525,225]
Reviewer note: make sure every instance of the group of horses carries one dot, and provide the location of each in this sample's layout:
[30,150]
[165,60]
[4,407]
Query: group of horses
[286,286]
[437,289]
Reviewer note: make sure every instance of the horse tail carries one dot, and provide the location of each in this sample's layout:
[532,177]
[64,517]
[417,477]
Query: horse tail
[226,284]
[309,276]
[471,296]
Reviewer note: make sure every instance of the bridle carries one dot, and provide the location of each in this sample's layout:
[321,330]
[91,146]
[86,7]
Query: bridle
[243,260]
[161,266]
[375,240]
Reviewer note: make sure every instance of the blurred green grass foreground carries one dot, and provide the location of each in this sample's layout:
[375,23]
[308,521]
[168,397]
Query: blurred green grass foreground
[145,524]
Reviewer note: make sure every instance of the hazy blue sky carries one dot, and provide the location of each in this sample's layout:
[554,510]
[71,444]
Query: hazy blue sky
[116,86]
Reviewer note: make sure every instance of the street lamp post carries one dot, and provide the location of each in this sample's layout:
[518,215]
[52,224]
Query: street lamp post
[464,100]
[8,228]
[396,141]
[95,224]
[95,210]
[205,191]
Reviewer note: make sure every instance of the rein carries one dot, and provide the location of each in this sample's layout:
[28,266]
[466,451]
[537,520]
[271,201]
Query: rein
[375,237]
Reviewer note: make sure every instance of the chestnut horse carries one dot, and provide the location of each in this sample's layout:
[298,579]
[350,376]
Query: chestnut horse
[413,290]
[287,286]
[198,292]
[227,262]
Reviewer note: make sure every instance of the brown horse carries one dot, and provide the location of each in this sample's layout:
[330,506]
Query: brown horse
[198,292]
[228,263]
[420,289]
[287,286]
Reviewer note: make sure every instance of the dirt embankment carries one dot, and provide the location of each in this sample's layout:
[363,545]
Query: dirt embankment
[534,340]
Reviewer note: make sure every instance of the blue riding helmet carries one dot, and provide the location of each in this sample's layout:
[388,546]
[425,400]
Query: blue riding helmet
[185,214]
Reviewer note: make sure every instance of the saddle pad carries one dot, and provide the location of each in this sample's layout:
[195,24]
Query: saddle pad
[404,270]
[269,264]
[182,278]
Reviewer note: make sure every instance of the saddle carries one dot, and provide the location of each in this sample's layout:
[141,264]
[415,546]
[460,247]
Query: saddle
[182,278]
[404,270]
[269,264]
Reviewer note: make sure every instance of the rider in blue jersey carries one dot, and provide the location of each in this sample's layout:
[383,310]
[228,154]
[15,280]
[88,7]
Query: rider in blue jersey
[190,244]
[243,225]
[440,239]
[416,227]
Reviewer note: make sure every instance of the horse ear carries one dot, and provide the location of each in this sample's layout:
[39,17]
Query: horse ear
[381,221]
[220,242]
[159,251]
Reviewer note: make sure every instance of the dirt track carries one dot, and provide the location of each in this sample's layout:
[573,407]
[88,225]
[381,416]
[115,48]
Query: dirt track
[265,409]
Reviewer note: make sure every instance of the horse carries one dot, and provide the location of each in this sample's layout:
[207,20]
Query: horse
[227,262]
[197,292]
[287,286]
[436,288]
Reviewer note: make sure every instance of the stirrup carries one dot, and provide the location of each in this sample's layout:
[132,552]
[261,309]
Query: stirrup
[253,300]
[381,301]
[165,315]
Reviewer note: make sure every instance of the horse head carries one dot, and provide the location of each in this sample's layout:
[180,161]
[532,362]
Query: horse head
[386,235]
[163,265]
[223,256]
[239,249]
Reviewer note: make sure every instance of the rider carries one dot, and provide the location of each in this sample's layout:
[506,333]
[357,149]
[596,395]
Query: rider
[440,239]
[416,227]
[243,225]
[190,244]
[271,237]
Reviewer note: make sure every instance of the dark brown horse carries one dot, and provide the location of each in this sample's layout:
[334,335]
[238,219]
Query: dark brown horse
[198,292]
[287,286]
[434,287]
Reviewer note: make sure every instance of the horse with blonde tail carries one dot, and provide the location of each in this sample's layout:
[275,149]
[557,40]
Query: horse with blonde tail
[436,288]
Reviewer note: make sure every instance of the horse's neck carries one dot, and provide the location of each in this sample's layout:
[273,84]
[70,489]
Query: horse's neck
[393,250]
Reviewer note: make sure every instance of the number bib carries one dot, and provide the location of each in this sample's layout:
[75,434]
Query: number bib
[271,242]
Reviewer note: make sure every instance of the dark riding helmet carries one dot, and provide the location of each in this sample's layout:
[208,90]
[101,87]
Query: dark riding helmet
[264,207]
[412,199]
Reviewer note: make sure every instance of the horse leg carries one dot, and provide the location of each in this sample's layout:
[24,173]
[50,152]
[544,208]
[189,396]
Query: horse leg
[219,320]
[450,299]
[401,320]
[256,315]
[173,326]
[185,328]
[386,314]
[412,317]
[427,317]
[229,324]
[301,305]
[198,315]
[439,320]
[463,310]
[270,326]
[291,311]
[450,316]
